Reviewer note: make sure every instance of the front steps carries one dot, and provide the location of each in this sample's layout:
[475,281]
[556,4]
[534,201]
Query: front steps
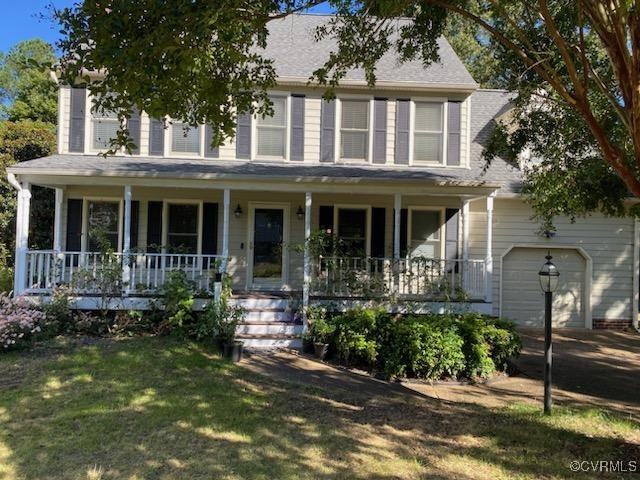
[269,321]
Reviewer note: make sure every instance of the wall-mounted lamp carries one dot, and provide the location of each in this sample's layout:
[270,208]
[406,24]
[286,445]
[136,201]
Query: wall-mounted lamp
[300,213]
[238,211]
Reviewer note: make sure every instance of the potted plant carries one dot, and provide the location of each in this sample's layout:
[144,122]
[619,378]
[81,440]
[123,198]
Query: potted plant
[222,320]
[307,342]
[322,332]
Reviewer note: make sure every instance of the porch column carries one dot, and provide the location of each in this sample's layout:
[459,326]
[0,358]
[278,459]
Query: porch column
[57,220]
[22,239]
[307,258]
[126,247]
[397,207]
[225,230]
[465,244]
[489,255]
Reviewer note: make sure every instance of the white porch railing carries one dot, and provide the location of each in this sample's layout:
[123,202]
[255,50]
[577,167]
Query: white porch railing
[89,272]
[427,278]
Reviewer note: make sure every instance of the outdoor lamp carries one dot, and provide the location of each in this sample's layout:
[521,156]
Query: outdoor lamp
[238,211]
[548,275]
[300,213]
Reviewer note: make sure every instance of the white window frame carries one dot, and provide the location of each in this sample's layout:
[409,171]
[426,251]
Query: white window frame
[412,131]
[84,238]
[165,220]
[338,129]
[336,223]
[168,141]
[442,231]
[287,129]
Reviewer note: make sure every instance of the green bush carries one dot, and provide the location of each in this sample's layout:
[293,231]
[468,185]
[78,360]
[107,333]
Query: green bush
[177,296]
[428,346]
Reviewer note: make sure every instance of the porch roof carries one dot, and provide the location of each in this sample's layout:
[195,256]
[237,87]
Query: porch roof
[74,165]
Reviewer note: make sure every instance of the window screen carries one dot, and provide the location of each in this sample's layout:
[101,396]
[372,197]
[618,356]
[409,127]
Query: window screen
[427,140]
[425,233]
[105,127]
[272,131]
[354,129]
[182,235]
[352,232]
[103,225]
[185,138]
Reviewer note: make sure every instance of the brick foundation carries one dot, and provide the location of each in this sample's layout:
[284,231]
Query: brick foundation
[611,323]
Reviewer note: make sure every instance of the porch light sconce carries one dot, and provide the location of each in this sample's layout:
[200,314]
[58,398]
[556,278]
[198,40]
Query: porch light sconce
[548,233]
[300,213]
[238,211]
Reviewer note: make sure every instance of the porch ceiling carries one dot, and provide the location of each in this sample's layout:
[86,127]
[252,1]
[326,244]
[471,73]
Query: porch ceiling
[57,170]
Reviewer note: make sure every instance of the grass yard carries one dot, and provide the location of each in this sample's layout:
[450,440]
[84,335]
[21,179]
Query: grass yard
[158,408]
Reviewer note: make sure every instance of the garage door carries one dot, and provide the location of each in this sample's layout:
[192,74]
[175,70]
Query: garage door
[522,298]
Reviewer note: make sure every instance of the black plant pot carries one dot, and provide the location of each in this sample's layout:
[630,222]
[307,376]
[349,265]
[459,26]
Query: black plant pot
[320,350]
[232,351]
[307,346]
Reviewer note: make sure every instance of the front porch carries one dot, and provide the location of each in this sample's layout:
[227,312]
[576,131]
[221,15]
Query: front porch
[394,247]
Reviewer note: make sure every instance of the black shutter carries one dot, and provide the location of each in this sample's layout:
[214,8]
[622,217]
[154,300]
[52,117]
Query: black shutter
[210,228]
[453,133]
[134,126]
[135,215]
[74,225]
[209,151]
[404,226]
[156,137]
[297,128]
[451,233]
[327,130]
[243,136]
[154,227]
[402,132]
[380,130]
[378,221]
[76,123]
[326,219]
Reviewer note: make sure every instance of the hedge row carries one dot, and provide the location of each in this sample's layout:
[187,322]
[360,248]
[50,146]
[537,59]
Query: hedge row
[431,346]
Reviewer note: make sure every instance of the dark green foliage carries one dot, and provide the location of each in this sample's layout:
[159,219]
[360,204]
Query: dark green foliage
[430,346]
[322,331]
[26,90]
[177,297]
[218,320]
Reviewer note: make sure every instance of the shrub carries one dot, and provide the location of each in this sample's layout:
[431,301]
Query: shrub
[321,331]
[218,320]
[177,302]
[425,348]
[88,323]
[130,323]
[356,334]
[58,311]
[19,321]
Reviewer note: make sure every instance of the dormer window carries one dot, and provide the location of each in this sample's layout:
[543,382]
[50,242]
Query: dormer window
[105,126]
[185,139]
[272,130]
[354,130]
[428,132]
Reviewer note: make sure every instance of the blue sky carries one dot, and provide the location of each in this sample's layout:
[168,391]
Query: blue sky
[20,20]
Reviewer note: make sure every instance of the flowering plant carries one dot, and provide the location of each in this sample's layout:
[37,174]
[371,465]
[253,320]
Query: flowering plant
[19,320]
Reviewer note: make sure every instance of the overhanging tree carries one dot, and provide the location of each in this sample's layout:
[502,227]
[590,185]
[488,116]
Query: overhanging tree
[575,65]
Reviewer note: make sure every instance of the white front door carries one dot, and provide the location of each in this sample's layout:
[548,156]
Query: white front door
[267,263]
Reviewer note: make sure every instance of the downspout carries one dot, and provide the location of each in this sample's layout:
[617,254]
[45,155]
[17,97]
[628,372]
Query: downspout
[636,274]
[11,177]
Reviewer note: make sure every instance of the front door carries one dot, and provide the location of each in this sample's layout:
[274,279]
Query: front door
[267,259]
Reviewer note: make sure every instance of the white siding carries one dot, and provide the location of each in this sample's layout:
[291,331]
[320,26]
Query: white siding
[608,241]
[464,132]
[64,104]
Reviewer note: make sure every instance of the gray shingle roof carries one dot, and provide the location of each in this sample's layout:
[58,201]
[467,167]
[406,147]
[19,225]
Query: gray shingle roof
[296,54]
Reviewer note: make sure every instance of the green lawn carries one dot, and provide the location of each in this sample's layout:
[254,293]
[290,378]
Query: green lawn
[163,409]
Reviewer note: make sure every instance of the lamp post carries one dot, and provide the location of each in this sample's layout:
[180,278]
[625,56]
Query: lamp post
[548,276]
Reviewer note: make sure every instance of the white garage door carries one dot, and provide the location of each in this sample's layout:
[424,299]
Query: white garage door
[522,298]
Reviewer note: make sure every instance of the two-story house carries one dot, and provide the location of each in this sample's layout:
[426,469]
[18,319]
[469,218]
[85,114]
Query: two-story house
[393,174]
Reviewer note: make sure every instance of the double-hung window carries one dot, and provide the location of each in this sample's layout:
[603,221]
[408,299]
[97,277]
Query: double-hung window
[354,130]
[103,219]
[182,232]
[272,130]
[185,139]
[428,132]
[105,126]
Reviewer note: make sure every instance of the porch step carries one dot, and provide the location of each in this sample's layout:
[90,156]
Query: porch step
[257,303]
[255,329]
[268,315]
[268,341]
